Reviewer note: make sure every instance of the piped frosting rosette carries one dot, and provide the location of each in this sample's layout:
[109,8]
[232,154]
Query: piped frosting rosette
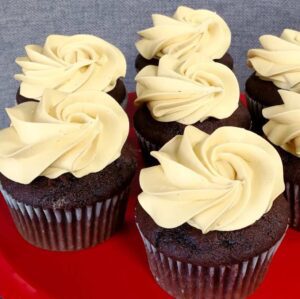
[283,127]
[188,31]
[80,133]
[187,91]
[279,60]
[69,64]
[224,181]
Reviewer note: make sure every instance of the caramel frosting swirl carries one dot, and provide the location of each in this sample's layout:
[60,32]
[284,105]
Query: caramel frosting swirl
[188,31]
[68,64]
[224,181]
[80,133]
[188,91]
[279,60]
[283,127]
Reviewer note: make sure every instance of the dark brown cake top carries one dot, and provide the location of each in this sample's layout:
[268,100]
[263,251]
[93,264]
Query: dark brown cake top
[161,132]
[67,191]
[188,244]
[264,92]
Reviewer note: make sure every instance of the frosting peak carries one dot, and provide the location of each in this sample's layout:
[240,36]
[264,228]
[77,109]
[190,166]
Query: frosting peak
[80,133]
[69,64]
[283,127]
[279,60]
[187,91]
[224,181]
[188,31]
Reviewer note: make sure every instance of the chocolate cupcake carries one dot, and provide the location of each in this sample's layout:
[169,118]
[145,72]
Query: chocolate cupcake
[212,213]
[69,64]
[276,66]
[283,130]
[65,169]
[188,31]
[196,91]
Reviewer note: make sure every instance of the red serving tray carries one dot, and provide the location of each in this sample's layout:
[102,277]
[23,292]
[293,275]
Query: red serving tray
[115,269]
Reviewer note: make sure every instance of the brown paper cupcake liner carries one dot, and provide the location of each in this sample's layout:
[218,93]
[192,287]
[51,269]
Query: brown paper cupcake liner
[185,280]
[147,147]
[255,109]
[66,230]
[292,193]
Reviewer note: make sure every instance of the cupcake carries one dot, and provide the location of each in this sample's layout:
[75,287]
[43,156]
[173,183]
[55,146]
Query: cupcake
[65,169]
[188,31]
[276,66]
[212,213]
[196,91]
[70,64]
[283,130]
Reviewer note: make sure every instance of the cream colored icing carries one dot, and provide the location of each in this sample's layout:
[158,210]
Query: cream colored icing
[68,64]
[283,127]
[80,133]
[188,31]
[279,60]
[189,90]
[224,181]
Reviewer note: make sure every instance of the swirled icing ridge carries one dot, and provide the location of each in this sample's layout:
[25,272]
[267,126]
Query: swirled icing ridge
[224,181]
[188,31]
[68,64]
[187,91]
[283,127]
[279,60]
[80,133]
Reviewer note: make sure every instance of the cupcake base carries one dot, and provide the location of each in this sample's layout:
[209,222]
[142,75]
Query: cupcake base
[185,280]
[146,147]
[66,230]
[291,164]
[255,109]
[292,193]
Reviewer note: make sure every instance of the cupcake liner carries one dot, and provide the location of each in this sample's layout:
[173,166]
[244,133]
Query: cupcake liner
[255,109]
[147,147]
[68,229]
[292,193]
[185,280]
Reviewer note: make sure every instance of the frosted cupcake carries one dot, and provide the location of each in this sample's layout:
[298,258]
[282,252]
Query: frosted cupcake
[212,213]
[276,66]
[69,64]
[65,169]
[187,32]
[196,91]
[283,130]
